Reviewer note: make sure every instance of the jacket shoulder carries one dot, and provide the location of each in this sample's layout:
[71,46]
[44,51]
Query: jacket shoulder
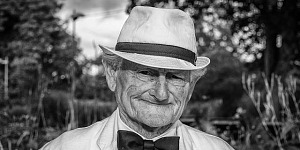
[206,141]
[79,138]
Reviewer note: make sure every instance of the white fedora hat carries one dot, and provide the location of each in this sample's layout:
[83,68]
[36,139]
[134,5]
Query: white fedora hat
[161,38]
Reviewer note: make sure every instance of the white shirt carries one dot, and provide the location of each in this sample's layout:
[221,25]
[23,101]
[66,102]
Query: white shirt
[102,135]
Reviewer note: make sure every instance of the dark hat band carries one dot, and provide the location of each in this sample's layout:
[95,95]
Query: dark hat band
[157,50]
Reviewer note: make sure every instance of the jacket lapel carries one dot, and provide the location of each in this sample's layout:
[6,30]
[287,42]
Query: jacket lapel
[108,134]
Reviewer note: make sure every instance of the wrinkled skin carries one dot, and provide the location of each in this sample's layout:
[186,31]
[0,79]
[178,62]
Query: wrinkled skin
[150,98]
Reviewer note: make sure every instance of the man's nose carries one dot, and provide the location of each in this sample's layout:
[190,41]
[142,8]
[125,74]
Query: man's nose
[160,91]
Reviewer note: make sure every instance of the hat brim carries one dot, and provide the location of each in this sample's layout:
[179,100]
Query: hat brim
[159,61]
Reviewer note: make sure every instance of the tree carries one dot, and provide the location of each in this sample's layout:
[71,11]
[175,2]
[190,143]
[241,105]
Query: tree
[41,54]
[273,25]
[37,44]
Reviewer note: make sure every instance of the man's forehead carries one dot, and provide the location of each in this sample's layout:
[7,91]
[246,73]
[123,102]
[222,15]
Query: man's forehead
[129,65]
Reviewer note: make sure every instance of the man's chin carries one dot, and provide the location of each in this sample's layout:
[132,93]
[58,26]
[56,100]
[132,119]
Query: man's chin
[156,118]
[156,123]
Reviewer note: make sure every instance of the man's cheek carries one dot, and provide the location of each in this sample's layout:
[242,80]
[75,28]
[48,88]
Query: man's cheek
[178,92]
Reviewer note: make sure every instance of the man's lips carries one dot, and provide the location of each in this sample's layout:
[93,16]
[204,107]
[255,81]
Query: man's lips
[153,102]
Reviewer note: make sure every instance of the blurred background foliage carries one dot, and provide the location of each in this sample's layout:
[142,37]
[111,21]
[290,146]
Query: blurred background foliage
[50,90]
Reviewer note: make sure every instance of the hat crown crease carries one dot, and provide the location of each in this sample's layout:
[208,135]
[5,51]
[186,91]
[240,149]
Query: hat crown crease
[159,26]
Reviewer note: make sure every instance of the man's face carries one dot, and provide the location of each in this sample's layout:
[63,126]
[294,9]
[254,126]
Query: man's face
[152,96]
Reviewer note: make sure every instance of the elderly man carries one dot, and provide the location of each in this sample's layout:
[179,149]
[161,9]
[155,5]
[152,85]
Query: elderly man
[152,71]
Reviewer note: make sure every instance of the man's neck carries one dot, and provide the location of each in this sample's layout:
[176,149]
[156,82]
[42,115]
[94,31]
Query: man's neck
[142,129]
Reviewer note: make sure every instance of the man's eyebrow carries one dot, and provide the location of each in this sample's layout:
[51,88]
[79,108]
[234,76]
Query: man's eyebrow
[177,71]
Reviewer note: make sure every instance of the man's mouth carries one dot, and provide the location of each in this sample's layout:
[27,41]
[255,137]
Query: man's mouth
[153,102]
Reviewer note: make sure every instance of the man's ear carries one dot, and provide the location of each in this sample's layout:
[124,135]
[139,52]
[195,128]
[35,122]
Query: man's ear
[197,74]
[110,74]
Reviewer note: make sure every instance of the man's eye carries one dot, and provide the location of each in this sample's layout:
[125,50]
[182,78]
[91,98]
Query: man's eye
[176,77]
[146,75]
[145,72]
[173,76]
